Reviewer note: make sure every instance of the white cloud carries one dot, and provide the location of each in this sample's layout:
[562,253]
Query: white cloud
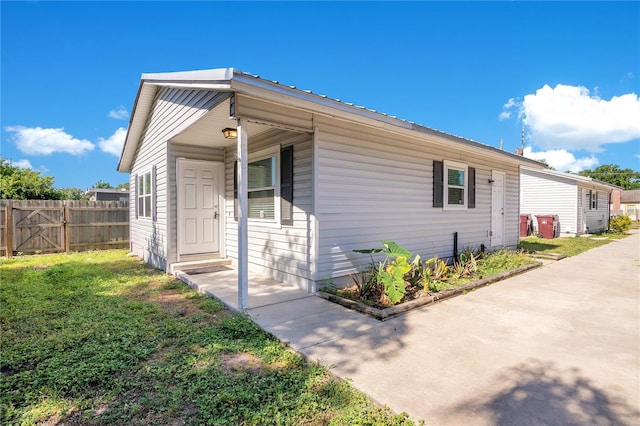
[561,159]
[23,164]
[506,109]
[114,143]
[39,141]
[569,117]
[119,114]
[504,115]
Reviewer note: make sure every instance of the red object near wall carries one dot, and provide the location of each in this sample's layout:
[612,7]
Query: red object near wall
[548,226]
[526,225]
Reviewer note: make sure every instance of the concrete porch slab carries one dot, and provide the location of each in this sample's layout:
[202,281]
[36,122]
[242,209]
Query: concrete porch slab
[223,285]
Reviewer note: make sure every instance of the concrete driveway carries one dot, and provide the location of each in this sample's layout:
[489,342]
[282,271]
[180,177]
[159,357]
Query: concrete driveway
[558,345]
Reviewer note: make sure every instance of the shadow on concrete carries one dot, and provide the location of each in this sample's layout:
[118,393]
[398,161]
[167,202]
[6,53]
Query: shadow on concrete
[539,393]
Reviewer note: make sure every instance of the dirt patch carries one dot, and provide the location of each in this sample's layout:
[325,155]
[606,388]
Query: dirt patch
[239,363]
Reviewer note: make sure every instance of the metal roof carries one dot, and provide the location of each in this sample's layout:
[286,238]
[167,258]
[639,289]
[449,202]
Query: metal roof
[572,176]
[230,79]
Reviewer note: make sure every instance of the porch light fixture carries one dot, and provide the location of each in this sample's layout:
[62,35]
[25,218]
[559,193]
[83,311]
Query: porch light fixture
[230,133]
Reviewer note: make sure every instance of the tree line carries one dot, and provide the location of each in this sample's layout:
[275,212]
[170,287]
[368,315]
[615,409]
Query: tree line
[25,184]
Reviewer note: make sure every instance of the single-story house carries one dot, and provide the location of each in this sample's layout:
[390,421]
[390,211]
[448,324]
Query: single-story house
[288,183]
[582,203]
[630,203]
[107,194]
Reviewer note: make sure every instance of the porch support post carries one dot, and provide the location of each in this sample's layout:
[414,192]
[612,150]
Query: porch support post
[243,211]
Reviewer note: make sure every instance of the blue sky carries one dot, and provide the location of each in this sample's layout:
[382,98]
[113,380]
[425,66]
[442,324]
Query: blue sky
[568,72]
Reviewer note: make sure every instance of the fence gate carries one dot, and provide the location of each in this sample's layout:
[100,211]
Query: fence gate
[47,226]
[38,227]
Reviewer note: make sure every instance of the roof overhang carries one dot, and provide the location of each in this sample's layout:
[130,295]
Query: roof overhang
[231,80]
[572,177]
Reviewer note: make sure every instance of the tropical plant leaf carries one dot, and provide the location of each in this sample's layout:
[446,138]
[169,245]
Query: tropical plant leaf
[393,249]
[393,279]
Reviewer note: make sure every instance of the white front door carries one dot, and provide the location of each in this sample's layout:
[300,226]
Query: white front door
[497,208]
[198,206]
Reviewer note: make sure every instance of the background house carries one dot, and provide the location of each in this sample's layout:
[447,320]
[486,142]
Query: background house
[582,203]
[614,208]
[104,194]
[630,203]
[288,183]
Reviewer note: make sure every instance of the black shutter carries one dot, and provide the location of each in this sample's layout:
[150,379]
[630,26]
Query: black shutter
[471,201]
[235,190]
[589,198]
[438,187]
[286,185]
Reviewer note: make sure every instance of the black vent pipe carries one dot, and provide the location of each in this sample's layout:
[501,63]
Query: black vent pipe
[455,247]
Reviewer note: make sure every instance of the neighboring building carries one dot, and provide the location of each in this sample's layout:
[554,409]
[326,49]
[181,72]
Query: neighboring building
[614,207]
[104,194]
[630,203]
[314,179]
[582,203]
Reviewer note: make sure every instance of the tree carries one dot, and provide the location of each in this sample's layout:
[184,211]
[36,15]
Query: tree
[25,184]
[72,194]
[102,185]
[613,174]
[123,186]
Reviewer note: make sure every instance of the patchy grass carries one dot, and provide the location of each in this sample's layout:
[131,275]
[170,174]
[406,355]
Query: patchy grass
[99,338]
[569,246]
[490,265]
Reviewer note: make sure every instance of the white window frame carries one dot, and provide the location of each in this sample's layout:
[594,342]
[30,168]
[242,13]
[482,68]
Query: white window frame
[593,203]
[452,165]
[142,212]
[261,155]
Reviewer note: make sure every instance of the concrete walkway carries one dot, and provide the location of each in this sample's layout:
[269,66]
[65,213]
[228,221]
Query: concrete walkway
[555,346]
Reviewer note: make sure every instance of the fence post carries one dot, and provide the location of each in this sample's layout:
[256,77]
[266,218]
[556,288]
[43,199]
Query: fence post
[66,229]
[8,229]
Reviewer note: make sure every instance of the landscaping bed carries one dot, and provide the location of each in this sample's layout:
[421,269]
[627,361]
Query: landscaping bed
[420,298]
[397,284]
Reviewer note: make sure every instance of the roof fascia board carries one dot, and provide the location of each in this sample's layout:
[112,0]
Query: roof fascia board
[265,90]
[220,86]
[136,126]
[218,74]
[571,176]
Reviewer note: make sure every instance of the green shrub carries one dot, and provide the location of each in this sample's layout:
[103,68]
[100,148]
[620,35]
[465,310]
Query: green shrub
[620,224]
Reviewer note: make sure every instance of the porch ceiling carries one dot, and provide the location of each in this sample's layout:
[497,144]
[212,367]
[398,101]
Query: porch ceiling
[207,131]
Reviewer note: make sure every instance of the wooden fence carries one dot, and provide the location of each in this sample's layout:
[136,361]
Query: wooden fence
[48,226]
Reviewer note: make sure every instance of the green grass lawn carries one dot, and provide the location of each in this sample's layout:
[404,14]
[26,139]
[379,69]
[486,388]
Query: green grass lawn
[100,338]
[569,246]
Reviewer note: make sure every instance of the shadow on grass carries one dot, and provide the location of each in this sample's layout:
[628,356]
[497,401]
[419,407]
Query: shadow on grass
[536,246]
[540,393]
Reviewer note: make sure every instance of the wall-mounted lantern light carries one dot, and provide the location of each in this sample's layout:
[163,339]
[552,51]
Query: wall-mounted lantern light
[230,133]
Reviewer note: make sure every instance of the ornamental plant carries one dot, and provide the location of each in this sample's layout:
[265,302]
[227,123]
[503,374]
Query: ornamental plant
[390,272]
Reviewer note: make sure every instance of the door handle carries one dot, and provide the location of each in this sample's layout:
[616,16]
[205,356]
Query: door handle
[215,215]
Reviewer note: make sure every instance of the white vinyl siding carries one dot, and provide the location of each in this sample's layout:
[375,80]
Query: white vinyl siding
[550,195]
[282,252]
[596,215]
[173,110]
[579,212]
[375,185]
